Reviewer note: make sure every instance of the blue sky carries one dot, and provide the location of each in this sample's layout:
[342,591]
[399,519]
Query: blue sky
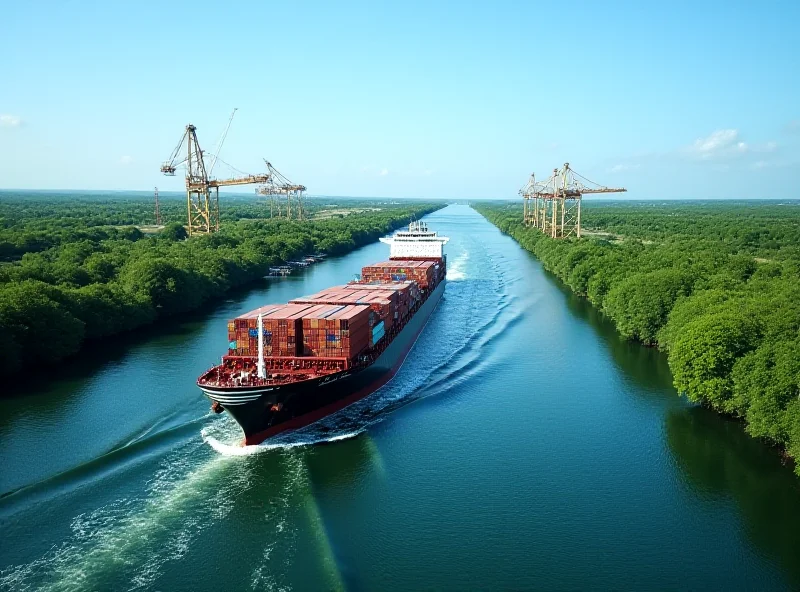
[429,99]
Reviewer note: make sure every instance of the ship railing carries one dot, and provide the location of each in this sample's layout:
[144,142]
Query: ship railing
[242,371]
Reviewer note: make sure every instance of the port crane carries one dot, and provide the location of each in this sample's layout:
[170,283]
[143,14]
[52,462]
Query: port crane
[278,187]
[158,208]
[203,209]
[554,205]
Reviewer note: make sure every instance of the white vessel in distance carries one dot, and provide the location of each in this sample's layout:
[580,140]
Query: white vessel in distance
[416,242]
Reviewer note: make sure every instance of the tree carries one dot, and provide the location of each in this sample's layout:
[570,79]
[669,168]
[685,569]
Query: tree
[40,327]
[765,381]
[703,356]
[174,231]
[640,304]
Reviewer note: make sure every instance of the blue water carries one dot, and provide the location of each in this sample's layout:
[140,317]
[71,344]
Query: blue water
[522,445]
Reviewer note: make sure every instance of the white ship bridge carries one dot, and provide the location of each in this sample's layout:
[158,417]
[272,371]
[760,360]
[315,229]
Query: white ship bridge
[416,243]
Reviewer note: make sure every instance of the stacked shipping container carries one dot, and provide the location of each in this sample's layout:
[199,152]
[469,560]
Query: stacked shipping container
[408,294]
[390,302]
[406,290]
[382,302]
[338,322]
[422,272]
[282,331]
[336,331]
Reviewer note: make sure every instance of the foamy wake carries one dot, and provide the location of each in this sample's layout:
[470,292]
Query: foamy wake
[237,450]
[133,539]
[456,271]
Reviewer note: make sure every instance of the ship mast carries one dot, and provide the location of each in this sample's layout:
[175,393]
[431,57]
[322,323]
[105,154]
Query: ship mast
[262,373]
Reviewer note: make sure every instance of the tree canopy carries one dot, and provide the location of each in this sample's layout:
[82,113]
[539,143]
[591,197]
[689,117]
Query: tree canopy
[715,285]
[83,269]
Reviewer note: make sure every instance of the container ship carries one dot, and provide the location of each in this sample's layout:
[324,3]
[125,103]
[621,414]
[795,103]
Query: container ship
[289,365]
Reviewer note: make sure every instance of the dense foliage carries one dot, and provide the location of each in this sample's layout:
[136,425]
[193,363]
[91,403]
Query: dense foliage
[715,285]
[80,269]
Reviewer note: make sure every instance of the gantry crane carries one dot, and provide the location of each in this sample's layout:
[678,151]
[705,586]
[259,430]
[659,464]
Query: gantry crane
[203,210]
[279,186]
[554,205]
[158,208]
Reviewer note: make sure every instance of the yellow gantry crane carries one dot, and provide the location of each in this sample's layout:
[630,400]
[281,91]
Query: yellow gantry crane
[203,209]
[554,205]
[279,187]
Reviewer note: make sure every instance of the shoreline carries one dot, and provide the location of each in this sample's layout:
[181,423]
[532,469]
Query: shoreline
[782,449]
[144,325]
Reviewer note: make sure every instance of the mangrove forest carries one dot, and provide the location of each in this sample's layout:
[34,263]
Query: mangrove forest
[716,285]
[75,268]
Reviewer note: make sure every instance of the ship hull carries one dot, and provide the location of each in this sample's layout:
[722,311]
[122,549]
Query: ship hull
[267,411]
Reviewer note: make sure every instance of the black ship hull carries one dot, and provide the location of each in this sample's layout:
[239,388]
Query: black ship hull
[263,412]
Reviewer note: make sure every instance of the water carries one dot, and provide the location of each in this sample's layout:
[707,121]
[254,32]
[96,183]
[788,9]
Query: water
[521,446]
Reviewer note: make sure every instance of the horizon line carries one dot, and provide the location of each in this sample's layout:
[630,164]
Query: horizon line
[314,196]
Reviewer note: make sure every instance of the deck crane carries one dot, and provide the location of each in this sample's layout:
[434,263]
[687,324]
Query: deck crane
[203,209]
[279,186]
[554,205]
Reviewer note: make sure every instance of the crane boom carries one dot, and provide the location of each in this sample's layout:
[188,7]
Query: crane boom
[222,141]
[169,166]
[248,180]
[605,190]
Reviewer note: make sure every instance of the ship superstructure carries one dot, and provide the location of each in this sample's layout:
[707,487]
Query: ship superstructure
[416,243]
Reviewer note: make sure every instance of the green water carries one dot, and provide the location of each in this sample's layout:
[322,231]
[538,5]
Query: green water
[523,445]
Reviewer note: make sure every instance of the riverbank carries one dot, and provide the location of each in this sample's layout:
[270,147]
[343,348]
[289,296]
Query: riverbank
[716,288]
[103,281]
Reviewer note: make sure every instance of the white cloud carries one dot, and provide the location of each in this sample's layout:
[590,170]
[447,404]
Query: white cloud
[719,144]
[618,168]
[126,160]
[726,145]
[384,172]
[10,120]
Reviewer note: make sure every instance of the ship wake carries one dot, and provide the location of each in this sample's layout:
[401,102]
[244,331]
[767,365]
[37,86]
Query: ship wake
[297,439]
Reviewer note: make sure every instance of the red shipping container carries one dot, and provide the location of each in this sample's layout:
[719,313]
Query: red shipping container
[422,272]
[336,331]
[382,302]
[282,331]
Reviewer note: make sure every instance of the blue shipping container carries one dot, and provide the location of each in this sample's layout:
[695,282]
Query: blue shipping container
[378,332]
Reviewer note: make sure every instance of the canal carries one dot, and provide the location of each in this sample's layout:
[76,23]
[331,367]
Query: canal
[523,445]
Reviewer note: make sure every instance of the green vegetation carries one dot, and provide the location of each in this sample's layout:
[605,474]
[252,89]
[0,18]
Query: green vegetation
[77,268]
[715,285]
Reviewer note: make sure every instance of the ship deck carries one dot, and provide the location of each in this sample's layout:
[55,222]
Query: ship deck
[238,372]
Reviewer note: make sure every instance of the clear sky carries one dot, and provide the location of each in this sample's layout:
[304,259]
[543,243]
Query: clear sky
[429,99]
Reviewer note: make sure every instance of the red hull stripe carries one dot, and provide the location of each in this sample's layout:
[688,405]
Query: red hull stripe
[309,418]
